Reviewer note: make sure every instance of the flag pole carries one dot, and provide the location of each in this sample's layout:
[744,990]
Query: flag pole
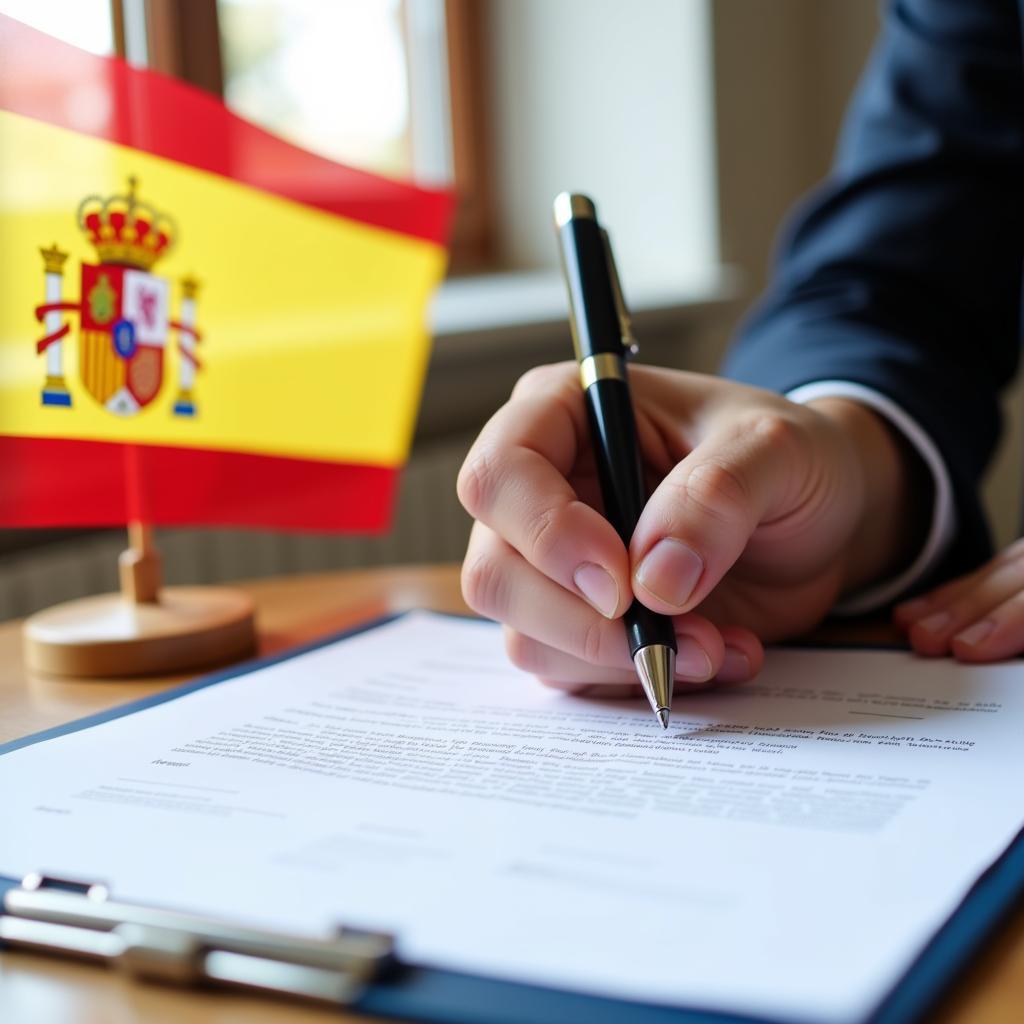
[139,566]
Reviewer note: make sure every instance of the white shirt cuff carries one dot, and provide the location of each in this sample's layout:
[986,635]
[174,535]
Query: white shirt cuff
[943,523]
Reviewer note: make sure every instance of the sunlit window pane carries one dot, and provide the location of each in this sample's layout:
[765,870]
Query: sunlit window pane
[84,23]
[331,77]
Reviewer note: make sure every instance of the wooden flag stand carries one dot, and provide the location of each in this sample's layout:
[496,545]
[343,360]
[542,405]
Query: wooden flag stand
[146,629]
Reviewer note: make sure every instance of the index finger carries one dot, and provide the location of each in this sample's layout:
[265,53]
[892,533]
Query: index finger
[515,481]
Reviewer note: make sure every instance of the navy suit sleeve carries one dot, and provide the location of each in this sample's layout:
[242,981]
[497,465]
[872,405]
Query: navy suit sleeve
[903,273]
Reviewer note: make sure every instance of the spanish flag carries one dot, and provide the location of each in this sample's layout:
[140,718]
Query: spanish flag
[199,323]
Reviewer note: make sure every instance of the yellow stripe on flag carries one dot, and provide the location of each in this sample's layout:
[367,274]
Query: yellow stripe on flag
[314,341]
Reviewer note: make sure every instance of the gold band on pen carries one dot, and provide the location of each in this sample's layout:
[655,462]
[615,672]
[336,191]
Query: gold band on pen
[602,366]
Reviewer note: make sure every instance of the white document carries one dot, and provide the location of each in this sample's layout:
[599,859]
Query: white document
[785,849]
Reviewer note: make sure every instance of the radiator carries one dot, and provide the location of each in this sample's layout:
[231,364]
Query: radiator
[429,526]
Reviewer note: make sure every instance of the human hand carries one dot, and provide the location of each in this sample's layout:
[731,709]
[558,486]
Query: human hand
[977,618]
[762,512]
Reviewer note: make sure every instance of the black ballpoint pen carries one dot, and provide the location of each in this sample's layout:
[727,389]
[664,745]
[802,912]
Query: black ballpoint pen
[603,338]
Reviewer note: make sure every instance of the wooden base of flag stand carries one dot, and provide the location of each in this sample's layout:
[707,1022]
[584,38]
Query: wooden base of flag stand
[146,629]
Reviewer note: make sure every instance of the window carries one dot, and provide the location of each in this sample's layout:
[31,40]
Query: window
[391,86]
[333,78]
[88,24]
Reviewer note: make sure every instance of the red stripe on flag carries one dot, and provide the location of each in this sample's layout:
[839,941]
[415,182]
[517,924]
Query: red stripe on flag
[48,80]
[52,482]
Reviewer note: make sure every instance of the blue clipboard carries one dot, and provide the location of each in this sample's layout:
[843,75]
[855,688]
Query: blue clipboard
[446,996]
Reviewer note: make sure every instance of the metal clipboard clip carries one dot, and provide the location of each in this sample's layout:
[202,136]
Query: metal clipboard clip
[79,919]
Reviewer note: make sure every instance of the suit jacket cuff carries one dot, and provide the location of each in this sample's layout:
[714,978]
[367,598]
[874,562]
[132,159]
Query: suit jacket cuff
[943,525]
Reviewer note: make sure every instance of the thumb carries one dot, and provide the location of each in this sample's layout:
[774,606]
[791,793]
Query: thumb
[700,518]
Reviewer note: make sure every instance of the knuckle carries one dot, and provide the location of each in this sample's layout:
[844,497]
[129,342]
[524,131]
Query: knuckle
[962,610]
[1016,552]
[776,430]
[1015,572]
[592,642]
[484,584]
[543,378]
[543,535]
[716,490]
[521,650]
[478,481]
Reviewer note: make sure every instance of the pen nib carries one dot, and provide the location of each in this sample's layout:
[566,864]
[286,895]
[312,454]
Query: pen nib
[656,667]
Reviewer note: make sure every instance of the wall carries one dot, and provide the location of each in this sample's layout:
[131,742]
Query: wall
[783,73]
[612,99]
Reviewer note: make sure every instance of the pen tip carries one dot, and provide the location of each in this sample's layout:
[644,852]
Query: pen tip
[655,665]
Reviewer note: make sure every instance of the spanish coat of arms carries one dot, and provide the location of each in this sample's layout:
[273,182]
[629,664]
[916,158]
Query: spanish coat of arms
[125,311]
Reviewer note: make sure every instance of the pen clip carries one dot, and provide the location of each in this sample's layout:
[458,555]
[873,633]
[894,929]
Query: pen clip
[629,342]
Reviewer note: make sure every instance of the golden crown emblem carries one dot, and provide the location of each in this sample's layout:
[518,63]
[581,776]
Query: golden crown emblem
[125,231]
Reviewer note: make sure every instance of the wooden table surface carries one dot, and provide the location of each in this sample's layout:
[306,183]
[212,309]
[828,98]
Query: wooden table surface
[38,990]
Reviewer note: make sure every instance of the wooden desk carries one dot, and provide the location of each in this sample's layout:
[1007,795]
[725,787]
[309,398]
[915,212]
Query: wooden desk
[35,990]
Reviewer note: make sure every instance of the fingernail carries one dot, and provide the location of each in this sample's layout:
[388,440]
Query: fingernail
[670,571]
[912,609]
[692,661]
[597,586]
[976,634]
[935,623]
[735,667]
